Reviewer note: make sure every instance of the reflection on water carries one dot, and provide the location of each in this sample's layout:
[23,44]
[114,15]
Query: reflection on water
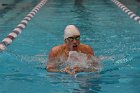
[78,3]
[83,15]
[83,82]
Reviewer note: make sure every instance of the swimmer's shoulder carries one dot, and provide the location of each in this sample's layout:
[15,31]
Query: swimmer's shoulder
[56,50]
[85,46]
[87,49]
[58,47]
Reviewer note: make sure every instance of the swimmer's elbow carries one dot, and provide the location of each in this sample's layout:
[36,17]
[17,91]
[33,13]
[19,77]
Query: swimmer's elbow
[88,70]
[51,68]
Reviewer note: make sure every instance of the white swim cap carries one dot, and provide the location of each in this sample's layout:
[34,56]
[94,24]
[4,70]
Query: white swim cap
[71,30]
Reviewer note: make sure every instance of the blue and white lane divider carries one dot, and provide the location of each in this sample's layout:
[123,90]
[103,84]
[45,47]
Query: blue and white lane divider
[128,11]
[6,41]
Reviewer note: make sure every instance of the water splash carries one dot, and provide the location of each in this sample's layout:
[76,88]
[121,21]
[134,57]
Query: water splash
[81,60]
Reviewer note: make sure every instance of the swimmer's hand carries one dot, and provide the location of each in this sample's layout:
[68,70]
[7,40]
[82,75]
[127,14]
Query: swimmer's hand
[75,70]
[51,68]
[72,71]
[67,70]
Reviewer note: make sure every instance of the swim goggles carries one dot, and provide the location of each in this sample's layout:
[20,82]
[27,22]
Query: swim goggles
[74,38]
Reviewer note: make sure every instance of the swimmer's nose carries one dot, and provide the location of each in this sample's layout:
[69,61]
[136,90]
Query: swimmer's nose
[74,41]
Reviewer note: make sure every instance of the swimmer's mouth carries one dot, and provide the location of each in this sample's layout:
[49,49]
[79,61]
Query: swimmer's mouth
[74,45]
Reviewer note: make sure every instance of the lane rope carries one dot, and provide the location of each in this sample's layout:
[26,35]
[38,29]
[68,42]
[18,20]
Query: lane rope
[131,14]
[18,30]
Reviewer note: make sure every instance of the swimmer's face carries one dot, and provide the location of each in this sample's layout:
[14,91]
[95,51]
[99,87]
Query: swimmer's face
[73,42]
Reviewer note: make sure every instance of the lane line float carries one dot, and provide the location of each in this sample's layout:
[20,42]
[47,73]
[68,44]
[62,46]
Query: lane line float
[18,30]
[131,14]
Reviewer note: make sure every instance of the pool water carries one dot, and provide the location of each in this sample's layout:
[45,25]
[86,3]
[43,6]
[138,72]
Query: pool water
[114,37]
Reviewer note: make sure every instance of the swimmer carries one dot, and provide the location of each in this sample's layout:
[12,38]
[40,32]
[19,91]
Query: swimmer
[71,43]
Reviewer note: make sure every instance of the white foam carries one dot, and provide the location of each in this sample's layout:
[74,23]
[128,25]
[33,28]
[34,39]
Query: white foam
[81,60]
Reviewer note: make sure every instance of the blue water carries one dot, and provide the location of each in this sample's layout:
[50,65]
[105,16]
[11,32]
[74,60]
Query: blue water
[114,37]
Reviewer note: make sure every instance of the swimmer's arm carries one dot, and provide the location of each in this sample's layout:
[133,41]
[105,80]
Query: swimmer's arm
[54,70]
[66,70]
[77,69]
[52,65]
[51,68]
[87,70]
